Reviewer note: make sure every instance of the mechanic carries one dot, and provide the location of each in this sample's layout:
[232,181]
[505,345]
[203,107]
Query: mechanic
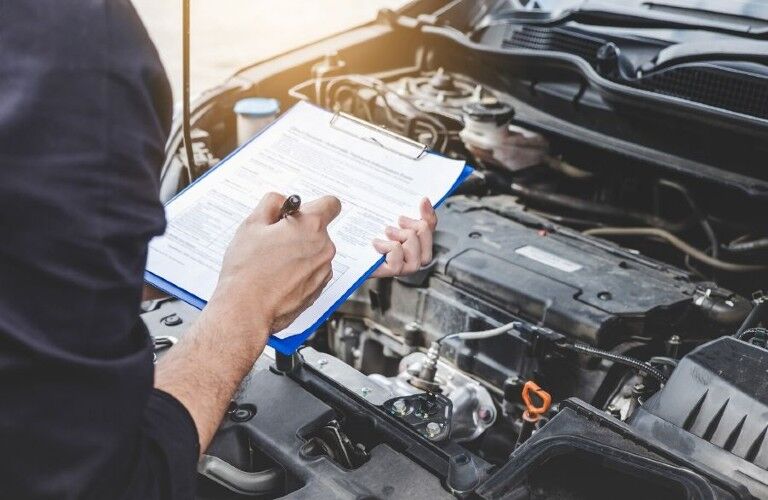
[85,114]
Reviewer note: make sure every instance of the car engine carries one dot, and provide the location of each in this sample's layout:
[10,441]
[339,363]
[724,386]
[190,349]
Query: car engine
[591,325]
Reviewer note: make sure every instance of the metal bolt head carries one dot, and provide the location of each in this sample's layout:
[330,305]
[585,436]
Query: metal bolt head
[243,413]
[484,414]
[433,429]
[400,407]
[322,362]
[172,319]
[365,390]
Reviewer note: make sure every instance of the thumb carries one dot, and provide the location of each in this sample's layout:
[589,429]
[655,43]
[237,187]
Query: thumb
[267,212]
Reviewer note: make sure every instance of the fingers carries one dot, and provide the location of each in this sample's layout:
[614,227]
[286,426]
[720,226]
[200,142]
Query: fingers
[427,213]
[268,210]
[395,260]
[411,245]
[326,209]
[423,233]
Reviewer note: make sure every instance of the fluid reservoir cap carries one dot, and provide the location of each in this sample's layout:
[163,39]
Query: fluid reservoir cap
[257,107]
[489,110]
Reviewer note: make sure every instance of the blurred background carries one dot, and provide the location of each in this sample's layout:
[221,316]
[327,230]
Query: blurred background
[229,34]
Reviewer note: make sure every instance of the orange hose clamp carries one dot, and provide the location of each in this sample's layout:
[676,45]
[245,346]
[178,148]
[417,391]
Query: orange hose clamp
[546,399]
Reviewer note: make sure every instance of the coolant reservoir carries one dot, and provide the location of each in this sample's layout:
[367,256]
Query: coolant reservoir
[488,135]
[253,114]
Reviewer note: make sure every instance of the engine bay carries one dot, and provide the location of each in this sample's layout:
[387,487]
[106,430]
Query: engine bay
[591,324]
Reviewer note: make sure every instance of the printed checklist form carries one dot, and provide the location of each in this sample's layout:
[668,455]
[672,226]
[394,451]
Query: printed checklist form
[302,153]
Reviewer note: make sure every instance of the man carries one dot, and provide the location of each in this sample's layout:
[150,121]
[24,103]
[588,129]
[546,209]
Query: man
[84,115]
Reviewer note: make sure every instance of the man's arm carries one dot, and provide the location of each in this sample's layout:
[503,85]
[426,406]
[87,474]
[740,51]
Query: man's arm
[273,270]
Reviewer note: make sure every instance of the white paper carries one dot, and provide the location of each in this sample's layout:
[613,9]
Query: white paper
[302,154]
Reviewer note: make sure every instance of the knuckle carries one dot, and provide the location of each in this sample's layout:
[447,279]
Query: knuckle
[330,251]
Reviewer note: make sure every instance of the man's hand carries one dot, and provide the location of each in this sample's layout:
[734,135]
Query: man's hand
[272,271]
[410,246]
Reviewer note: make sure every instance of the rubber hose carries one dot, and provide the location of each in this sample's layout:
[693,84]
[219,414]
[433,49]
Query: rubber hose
[621,359]
[750,331]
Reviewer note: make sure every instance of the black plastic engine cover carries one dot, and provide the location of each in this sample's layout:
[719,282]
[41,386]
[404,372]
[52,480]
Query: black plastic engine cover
[582,453]
[715,408]
[589,288]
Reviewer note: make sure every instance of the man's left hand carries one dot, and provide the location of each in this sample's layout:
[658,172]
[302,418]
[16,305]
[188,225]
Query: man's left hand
[409,246]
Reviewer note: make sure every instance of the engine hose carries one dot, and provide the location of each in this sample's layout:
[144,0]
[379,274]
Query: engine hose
[758,315]
[594,208]
[621,359]
[751,332]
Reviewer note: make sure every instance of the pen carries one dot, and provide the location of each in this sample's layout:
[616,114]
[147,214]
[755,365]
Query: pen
[290,206]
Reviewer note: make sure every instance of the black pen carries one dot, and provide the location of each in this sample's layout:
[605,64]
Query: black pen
[290,206]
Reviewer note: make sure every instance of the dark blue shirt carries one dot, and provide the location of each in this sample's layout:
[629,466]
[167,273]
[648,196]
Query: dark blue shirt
[85,110]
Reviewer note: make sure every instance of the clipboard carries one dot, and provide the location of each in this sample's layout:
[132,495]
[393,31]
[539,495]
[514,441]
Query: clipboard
[386,139]
[362,130]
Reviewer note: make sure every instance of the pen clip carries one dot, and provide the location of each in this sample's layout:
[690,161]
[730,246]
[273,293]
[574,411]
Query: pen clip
[418,149]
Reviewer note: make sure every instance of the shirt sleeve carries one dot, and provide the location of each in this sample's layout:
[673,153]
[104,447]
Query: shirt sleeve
[84,117]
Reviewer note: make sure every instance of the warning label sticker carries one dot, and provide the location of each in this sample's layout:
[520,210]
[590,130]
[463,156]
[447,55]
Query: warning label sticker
[548,259]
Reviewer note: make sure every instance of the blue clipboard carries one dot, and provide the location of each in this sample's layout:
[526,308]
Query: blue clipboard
[289,345]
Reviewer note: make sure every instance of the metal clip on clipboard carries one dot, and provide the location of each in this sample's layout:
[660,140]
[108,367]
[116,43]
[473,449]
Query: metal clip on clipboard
[380,136]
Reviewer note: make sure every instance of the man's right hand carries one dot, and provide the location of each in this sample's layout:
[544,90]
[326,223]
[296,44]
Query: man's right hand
[272,271]
[273,268]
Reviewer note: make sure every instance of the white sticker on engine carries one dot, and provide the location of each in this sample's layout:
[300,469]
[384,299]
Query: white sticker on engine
[548,259]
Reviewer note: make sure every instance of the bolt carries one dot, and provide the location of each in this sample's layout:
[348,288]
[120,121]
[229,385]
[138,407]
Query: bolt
[673,346]
[243,413]
[365,391]
[322,362]
[433,429]
[172,319]
[604,296]
[400,407]
[484,414]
